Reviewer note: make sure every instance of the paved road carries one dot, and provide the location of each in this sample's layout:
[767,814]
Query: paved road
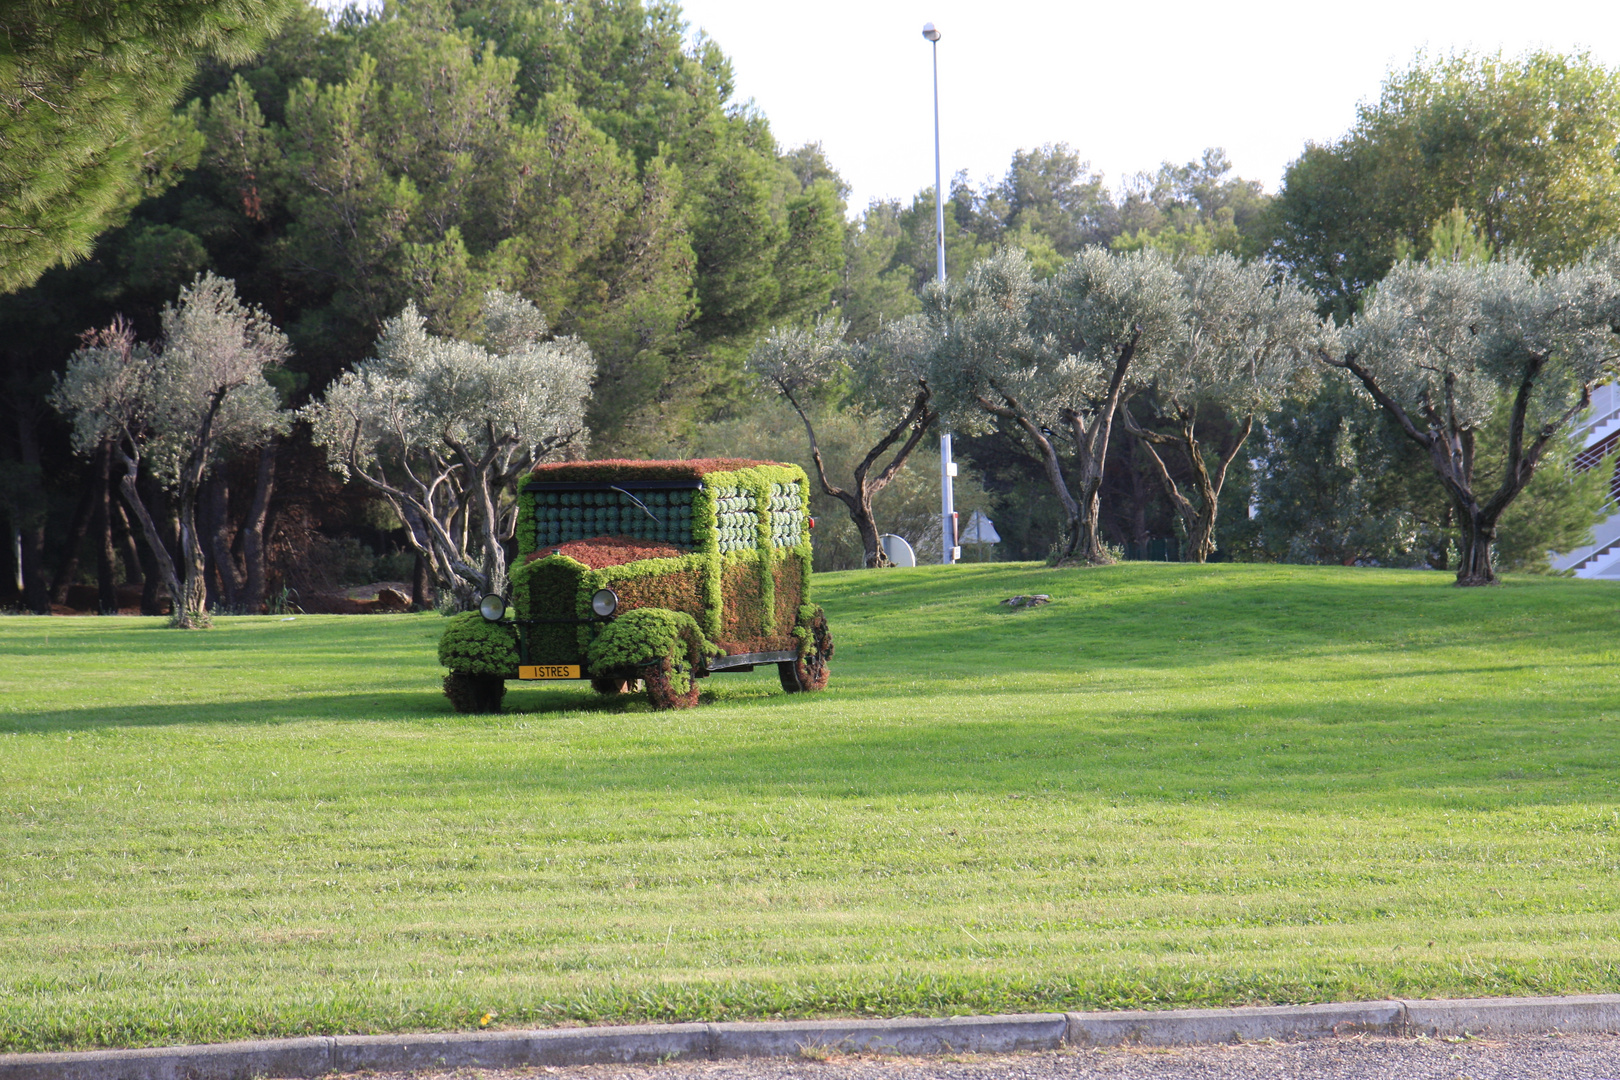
[1540,1057]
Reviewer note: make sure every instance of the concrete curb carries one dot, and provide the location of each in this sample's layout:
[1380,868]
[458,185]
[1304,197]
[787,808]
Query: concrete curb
[311,1057]
[1584,1013]
[1181,1027]
[910,1035]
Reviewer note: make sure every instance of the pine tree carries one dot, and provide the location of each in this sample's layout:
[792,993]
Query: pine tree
[86,129]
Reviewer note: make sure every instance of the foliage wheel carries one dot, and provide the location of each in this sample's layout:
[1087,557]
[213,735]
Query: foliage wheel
[670,683]
[474,693]
[809,672]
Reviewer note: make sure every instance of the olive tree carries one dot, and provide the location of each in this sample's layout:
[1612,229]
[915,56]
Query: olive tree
[886,383]
[443,428]
[1054,359]
[1441,346]
[1248,338]
[177,407]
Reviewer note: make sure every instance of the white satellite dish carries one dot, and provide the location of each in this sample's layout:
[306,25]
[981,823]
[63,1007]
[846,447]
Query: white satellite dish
[898,551]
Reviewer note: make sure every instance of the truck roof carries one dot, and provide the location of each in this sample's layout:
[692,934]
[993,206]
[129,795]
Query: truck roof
[621,470]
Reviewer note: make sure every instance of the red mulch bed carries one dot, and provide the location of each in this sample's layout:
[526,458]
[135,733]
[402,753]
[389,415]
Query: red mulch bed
[622,469]
[599,551]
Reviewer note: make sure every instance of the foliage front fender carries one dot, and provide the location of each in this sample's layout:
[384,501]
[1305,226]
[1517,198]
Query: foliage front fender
[645,635]
[475,646]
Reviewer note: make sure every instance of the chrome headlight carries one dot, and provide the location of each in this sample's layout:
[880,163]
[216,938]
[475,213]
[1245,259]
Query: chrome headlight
[492,607]
[605,602]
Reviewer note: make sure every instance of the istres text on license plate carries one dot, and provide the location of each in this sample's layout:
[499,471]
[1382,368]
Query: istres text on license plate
[549,671]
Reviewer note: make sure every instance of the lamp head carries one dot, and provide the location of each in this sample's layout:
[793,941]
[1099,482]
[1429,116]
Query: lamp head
[930,32]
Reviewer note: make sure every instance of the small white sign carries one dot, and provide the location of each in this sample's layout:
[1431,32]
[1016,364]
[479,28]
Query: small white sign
[980,530]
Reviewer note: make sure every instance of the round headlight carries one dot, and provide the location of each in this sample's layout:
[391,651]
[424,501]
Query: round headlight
[492,607]
[605,602]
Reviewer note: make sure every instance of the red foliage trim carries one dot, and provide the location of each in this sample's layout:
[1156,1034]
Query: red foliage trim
[597,552]
[627,469]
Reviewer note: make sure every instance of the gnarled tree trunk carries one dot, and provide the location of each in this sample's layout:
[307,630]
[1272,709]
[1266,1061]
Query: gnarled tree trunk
[1451,452]
[859,499]
[1197,517]
[106,559]
[167,577]
[253,531]
[1476,540]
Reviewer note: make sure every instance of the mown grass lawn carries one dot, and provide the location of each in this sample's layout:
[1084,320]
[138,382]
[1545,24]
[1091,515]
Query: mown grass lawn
[1172,786]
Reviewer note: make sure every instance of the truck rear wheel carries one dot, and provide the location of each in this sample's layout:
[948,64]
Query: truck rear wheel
[475,693]
[670,683]
[809,672]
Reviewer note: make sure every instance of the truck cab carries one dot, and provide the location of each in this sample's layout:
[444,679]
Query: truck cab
[651,575]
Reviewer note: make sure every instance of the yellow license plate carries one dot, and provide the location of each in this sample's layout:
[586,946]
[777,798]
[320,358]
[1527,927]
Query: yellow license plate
[549,671]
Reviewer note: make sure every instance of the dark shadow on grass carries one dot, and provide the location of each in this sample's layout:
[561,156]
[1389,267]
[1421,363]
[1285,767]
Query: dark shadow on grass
[381,705]
[1339,756]
[428,703]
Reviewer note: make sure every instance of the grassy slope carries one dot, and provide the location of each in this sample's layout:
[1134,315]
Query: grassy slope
[1174,785]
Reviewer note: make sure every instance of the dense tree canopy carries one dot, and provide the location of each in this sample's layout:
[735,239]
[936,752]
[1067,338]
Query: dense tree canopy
[86,128]
[579,155]
[588,157]
[1196,208]
[585,155]
[1525,147]
[1441,347]
[443,427]
[175,409]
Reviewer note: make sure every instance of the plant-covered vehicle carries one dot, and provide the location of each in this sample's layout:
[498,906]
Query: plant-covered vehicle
[657,573]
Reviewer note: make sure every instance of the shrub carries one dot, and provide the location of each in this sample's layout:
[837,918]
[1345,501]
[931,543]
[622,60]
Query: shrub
[474,646]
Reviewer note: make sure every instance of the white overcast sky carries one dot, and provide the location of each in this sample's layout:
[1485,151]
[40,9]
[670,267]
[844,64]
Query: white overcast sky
[1127,85]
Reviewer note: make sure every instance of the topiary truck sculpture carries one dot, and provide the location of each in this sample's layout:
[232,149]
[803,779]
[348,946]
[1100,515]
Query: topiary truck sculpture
[652,572]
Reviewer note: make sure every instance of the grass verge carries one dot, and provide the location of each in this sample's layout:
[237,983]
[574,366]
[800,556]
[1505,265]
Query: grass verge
[1171,786]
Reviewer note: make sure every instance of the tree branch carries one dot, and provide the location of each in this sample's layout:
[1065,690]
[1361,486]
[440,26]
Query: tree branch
[815,450]
[1384,401]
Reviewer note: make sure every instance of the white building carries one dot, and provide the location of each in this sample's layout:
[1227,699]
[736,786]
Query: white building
[1599,434]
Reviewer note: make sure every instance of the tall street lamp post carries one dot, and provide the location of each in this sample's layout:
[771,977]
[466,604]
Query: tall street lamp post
[950,550]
